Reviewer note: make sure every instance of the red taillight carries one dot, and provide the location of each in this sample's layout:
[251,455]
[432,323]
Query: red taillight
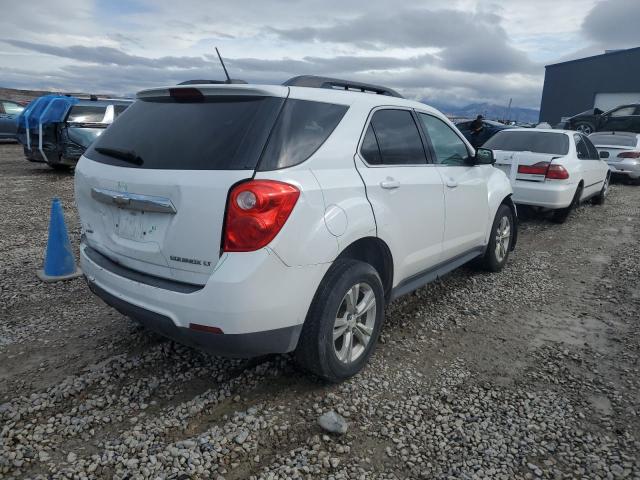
[256,212]
[205,328]
[629,155]
[551,171]
[557,172]
[539,168]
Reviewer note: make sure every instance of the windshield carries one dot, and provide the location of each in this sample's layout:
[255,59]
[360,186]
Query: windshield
[611,139]
[537,142]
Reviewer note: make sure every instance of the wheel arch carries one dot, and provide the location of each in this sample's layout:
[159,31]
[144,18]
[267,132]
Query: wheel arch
[376,253]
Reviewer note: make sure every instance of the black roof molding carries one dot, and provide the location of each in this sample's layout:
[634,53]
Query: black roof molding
[216,82]
[337,84]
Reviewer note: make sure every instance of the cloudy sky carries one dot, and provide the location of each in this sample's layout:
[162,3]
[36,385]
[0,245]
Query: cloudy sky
[450,51]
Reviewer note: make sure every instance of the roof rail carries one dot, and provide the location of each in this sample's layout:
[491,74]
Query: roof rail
[216,82]
[337,84]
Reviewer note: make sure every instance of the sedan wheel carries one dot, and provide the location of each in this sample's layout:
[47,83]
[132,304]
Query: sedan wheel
[503,238]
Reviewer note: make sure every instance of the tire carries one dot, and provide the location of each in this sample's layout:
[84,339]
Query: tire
[318,351]
[584,127]
[560,215]
[59,166]
[500,240]
[602,196]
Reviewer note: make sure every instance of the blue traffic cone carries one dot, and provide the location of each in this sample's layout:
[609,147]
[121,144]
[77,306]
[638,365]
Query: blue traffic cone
[59,263]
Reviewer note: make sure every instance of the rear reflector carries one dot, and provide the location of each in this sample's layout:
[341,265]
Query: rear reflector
[551,171]
[205,328]
[629,155]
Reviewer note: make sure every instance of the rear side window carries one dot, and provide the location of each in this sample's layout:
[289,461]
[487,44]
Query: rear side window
[86,114]
[537,142]
[369,150]
[398,138]
[302,127]
[220,133]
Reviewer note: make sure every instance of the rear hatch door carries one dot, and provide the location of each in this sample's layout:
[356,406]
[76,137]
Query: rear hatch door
[152,190]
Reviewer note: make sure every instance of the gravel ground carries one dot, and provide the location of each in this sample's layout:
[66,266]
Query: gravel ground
[530,373]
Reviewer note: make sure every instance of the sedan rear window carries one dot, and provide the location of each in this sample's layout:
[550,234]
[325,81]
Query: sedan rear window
[220,133]
[537,142]
[613,140]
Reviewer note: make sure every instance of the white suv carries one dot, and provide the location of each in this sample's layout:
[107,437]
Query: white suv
[251,219]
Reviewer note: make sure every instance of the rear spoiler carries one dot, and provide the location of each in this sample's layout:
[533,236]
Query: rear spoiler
[212,90]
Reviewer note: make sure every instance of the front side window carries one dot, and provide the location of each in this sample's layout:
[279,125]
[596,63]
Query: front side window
[12,108]
[448,147]
[398,138]
[623,112]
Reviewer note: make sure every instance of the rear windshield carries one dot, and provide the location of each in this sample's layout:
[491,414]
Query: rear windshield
[87,114]
[220,133]
[615,140]
[537,142]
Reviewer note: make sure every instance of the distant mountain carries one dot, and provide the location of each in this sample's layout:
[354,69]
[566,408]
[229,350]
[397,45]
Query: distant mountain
[488,110]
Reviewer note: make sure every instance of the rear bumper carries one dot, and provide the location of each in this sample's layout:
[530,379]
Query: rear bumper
[630,168]
[257,301]
[545,194]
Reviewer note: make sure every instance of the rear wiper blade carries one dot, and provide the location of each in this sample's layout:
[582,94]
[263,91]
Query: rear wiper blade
[126,155]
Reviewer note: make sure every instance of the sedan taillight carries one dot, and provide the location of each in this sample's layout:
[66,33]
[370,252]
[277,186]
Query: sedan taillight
[550,171]
[629,155]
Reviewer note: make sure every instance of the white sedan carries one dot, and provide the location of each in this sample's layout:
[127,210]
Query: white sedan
[621,151]
[553,169]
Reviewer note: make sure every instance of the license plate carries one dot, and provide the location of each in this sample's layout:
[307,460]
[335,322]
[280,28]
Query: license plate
[130,225]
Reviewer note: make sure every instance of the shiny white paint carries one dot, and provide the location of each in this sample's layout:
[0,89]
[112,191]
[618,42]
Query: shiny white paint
[537,191]
[424,222]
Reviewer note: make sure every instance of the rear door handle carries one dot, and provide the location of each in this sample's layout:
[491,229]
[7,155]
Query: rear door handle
[390,184]
[451,183]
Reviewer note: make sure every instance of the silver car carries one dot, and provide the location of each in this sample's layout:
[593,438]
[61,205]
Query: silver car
[621,150]
[9,112]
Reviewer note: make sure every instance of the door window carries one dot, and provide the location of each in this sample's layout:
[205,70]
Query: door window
[397,137]
[12,108]
[581,147]
[448,147]
[593,151]
[623,112]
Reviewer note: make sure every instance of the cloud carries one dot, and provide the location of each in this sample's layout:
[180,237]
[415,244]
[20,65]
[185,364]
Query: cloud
[614,23]
[107,55]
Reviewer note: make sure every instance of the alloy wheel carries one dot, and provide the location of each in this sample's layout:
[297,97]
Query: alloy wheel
[503,238]
[354,323]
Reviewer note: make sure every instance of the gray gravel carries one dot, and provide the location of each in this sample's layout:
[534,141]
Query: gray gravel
[530,373]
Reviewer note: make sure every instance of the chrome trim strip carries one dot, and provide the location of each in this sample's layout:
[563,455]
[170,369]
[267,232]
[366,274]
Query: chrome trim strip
[133,201]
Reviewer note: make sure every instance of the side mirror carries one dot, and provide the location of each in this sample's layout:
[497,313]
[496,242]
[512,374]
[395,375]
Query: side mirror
[484,156]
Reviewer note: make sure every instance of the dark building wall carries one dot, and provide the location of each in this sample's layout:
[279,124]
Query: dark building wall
[571,87]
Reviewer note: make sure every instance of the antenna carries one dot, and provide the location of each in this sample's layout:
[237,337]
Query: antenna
[223,67]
